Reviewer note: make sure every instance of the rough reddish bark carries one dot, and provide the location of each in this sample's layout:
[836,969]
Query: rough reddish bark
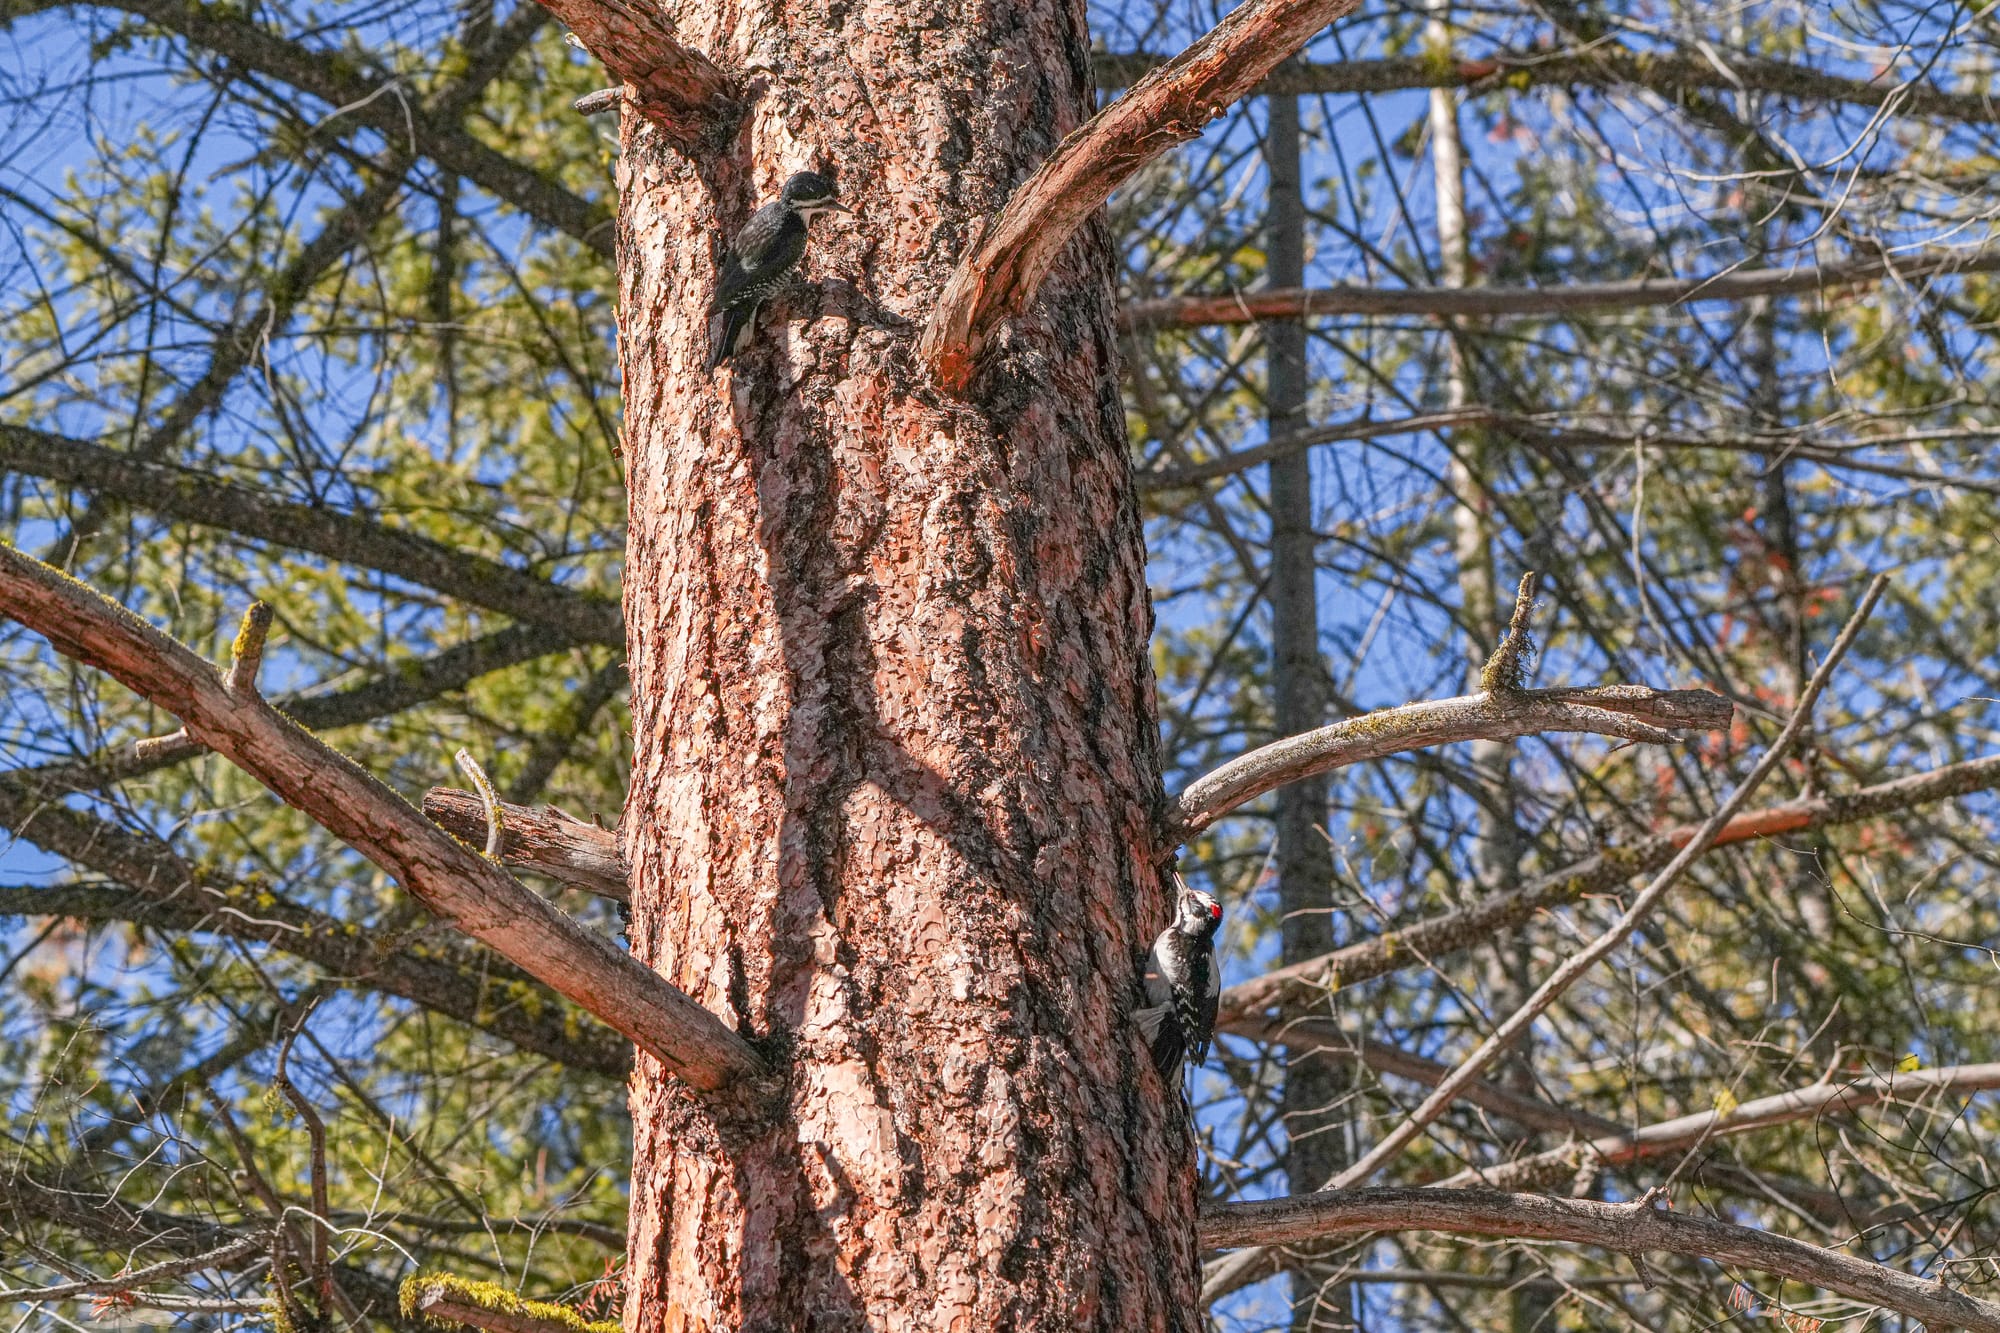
[895,797]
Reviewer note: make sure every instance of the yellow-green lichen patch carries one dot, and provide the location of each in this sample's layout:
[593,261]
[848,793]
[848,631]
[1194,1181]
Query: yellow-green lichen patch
[420,1289]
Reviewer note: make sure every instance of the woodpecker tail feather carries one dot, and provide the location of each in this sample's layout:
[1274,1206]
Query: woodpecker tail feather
[735,323]
[1161,1029]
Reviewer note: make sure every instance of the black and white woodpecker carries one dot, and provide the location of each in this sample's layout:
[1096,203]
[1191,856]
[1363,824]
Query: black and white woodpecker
[763,256]
[1183,983]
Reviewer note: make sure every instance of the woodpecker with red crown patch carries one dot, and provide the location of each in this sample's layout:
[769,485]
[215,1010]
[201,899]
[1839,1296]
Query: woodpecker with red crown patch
[1183,983]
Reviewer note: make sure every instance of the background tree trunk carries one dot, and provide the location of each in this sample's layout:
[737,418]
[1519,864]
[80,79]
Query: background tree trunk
[895,786]
[1314,1142]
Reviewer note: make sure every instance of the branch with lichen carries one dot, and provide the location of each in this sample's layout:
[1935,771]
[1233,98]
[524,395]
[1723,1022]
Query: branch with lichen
[446,1301]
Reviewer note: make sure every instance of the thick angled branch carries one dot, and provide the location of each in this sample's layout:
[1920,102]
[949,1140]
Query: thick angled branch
[1630,712]
[188,496]
[454,882]
[1635,1229]
[546,841]
[1602,65]
[1573,298]
[1169,106]
[691,98]
[1685,1132]
[1306,985]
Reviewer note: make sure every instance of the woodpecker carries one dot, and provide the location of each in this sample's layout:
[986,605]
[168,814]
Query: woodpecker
[1183,983]
[763,256]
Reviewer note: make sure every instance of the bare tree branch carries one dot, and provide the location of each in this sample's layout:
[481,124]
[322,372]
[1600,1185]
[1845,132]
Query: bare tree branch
[1306,984]
[156,889]
[1004,269]
[546,841]
[1835,454]
[188,496]
[1631,712]
[1184,312]
[1324,1038]
[1635,1229]
[1689,1131]
[1601,65]
[1240,460]
[454,882]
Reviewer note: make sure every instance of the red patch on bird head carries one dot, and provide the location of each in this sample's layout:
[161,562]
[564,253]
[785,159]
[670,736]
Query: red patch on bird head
[1215,911]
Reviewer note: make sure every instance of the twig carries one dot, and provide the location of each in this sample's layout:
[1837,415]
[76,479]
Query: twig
[1505,669]
[1170,105]
[599,102]
[454,882]
[322,1269]
[542,839]
[138,1277]
[1634,1229]
[1510,1028]
[489,800]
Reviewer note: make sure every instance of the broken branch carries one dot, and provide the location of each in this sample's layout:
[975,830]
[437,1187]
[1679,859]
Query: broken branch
[1510,1029]
[691,98]
[546,841]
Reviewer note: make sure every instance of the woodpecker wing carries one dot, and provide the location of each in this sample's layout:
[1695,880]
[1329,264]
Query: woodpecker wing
[763,255]
[1161,1031]
[1208,995]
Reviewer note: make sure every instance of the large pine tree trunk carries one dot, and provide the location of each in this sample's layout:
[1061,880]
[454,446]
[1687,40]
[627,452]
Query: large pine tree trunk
[895,787]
